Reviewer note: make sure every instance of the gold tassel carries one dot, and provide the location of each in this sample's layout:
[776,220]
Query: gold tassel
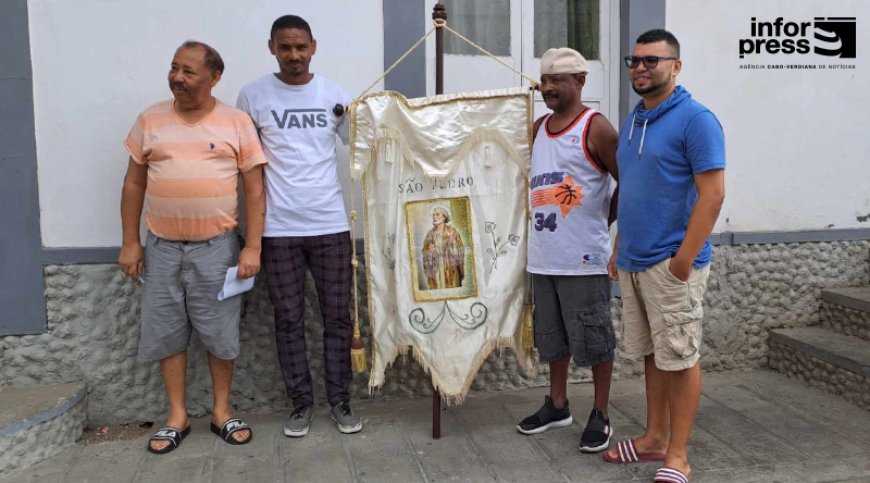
[357,348]
[357,351]
[528,336]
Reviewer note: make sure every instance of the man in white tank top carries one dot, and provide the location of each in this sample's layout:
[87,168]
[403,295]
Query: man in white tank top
[573,161]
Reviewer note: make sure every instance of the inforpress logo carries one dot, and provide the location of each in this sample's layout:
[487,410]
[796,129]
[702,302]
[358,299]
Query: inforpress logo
[835,36]
[828,36]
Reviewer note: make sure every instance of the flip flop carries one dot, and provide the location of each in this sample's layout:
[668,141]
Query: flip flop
[168,433]
[627,453]
[230,427]
[671,475]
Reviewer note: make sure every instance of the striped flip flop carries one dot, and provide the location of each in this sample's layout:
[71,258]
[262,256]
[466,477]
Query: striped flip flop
[671,475]
[627,453]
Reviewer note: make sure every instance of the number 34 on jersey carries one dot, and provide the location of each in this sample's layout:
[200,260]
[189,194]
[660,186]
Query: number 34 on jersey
[553,189]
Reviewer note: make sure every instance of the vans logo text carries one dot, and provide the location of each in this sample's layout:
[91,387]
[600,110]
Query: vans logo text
[300,118]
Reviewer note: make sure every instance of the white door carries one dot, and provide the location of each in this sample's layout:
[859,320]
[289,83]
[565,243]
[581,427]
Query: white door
[599,45]
[507,29]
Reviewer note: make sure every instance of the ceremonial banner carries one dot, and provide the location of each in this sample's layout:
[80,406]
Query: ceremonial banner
[445,196]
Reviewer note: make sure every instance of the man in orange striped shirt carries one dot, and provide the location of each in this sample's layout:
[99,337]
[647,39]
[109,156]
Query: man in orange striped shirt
[186,155]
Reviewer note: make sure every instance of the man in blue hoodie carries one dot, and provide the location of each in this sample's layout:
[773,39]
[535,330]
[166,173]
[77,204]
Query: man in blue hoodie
[671,159]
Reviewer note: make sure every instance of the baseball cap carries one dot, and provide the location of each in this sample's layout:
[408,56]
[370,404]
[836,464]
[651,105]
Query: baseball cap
[563,60]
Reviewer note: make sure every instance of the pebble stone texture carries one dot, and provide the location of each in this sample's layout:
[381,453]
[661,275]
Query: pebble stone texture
[93,332]
[845,320]
[823,375]
[28,446]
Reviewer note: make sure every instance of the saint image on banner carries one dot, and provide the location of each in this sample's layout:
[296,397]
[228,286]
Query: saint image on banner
[443,252]
[439,237]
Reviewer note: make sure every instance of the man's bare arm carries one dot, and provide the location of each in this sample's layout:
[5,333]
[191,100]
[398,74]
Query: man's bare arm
[603,140]
[711,194]
[536,126]
[255,203]
[132,198]
[611,265]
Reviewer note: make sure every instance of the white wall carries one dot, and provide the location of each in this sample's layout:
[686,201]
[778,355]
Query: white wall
[797,154]
[98,63]
[797,140]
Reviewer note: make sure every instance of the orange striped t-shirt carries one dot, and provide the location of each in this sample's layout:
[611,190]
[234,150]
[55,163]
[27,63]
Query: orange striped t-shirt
[193,169]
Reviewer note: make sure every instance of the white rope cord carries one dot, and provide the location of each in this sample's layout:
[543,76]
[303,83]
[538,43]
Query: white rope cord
[485,52]
[400,59]
[441,23]
[354,262]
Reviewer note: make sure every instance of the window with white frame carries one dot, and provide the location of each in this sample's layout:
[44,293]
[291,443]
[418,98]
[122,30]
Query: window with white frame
[486,22]
[567,23]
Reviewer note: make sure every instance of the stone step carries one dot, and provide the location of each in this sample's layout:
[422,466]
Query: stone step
[39,422]
[837,363]
[847,311]
[856,298]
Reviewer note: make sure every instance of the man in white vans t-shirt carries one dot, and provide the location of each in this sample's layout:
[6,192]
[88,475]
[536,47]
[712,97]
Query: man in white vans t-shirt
[298,115]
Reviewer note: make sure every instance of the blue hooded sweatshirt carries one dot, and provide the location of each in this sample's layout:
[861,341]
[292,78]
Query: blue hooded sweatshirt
[660,150]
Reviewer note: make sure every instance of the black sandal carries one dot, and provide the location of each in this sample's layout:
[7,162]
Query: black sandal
[231,427]
[168,433]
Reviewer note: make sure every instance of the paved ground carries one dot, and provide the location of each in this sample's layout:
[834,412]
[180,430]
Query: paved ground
[752,427]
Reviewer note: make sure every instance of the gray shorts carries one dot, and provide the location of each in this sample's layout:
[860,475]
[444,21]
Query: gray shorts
[572,316]
[181,284]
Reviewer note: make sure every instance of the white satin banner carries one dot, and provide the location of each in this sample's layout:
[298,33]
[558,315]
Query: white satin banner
[445,194]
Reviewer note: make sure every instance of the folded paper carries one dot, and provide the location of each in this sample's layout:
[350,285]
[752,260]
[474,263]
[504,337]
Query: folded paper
[234,285]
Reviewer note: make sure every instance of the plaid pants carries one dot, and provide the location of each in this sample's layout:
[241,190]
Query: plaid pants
[328,258]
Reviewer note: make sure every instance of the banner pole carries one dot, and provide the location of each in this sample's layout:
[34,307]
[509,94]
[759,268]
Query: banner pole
[439,12]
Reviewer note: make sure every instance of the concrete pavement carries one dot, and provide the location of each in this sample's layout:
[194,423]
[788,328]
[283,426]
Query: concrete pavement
[752,427]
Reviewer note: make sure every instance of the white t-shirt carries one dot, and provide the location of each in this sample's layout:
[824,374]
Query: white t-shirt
[297,127]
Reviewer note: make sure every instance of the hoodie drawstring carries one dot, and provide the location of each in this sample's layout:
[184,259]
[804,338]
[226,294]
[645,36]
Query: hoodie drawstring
[642,137]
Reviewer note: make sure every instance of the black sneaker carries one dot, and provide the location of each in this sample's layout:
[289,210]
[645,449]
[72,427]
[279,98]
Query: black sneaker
[547,417]
[596,436]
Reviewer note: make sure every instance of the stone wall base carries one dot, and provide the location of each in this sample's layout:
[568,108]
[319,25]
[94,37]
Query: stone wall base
[93,332]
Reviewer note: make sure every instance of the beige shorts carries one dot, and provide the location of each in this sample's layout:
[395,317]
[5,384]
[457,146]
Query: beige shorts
[662,315]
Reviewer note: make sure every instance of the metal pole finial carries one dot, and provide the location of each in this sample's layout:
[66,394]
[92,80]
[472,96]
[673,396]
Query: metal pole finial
[439,12]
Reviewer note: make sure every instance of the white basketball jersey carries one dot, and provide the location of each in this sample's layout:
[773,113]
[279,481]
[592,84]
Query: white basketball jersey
[569,201]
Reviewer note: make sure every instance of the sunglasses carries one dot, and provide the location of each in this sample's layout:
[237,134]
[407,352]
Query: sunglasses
[649,61]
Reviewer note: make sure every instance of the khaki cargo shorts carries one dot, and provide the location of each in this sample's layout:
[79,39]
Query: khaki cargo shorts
[662,315]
